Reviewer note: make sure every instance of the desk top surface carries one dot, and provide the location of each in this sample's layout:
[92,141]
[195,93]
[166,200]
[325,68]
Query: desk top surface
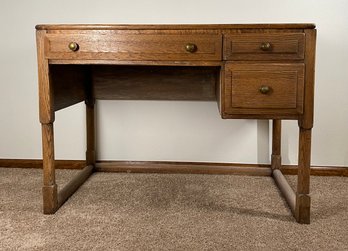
[172,26]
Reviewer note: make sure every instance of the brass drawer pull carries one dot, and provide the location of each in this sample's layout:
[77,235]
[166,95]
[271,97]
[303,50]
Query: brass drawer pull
[265,89]
[73,46]
[266,46]
[191,47]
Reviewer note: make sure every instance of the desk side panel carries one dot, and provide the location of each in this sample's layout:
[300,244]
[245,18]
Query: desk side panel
[69,84]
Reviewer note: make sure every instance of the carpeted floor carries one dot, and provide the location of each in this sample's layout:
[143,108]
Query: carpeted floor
[169,212]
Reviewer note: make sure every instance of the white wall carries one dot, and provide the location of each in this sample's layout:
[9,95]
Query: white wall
[188,131]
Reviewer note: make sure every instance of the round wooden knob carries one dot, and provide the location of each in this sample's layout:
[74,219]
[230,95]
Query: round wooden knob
[265,89]
[266,46]
[73,46]
[191,47]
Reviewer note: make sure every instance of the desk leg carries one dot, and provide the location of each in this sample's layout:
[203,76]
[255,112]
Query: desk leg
[49,190]
[276,144]
[90,127]
[303,200]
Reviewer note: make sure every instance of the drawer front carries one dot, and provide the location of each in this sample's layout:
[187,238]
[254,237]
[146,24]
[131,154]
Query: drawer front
[263,88]
[264,46]
[133,47]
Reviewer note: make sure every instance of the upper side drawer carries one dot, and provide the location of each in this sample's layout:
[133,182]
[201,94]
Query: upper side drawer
[133,46]
[275,46]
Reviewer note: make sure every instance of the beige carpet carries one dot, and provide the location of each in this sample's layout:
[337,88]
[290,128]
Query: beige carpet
[169,212]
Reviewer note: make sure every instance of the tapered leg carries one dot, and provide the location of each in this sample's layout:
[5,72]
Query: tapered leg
[302,210]
[49,190]
[276,144]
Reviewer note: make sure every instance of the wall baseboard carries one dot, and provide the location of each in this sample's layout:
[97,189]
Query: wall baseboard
[37,163]
[173,167]
[318,170]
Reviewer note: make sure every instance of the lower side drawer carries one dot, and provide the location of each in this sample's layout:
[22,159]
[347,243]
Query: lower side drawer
[268,90]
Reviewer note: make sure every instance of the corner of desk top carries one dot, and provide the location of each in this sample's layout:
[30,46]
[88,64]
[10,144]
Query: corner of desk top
[175,26]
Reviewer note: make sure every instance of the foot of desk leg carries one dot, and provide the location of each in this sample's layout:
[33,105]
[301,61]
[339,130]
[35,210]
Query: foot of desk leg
[49,190]
[303,201]
[50,199]
[302,209]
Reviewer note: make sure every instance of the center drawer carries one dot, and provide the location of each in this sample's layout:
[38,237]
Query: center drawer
[133,46]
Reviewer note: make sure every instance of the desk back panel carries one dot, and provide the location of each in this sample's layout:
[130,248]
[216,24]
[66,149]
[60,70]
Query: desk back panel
[121,82]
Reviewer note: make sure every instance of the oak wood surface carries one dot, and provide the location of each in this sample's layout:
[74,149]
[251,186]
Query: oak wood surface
[49,189]
[302,211]
[172,26]
[283,46]
[133,47]
[37,163]
[90,122]
[304,160]
[182,167]
[68,85]
[341,171]
[154,83]
[276,144]
[317,170]
[306,121]
[233,74]
[134,62]
[243,82]
[285,188]
[46,110]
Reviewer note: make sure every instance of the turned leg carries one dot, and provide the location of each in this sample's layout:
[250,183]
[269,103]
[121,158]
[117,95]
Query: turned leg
[302,209]
[49,190]
[276,144]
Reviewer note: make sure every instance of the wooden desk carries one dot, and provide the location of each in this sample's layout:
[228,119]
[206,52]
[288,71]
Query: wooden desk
[253,71]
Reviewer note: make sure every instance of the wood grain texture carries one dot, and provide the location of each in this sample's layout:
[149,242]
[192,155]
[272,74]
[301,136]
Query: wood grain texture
[304,160]
[341,171]
[306,121]
[276,144]
[259,114]
[172,26]
[303,208]
[133,47]
[68,84]
[283,46]
[285,188]
[243,82]
[154,83]
[90,122]
[37,163]
[49,189]
[302,211]
[90,135]
[153,62]
[46,110]
[134,62]
[182,167]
